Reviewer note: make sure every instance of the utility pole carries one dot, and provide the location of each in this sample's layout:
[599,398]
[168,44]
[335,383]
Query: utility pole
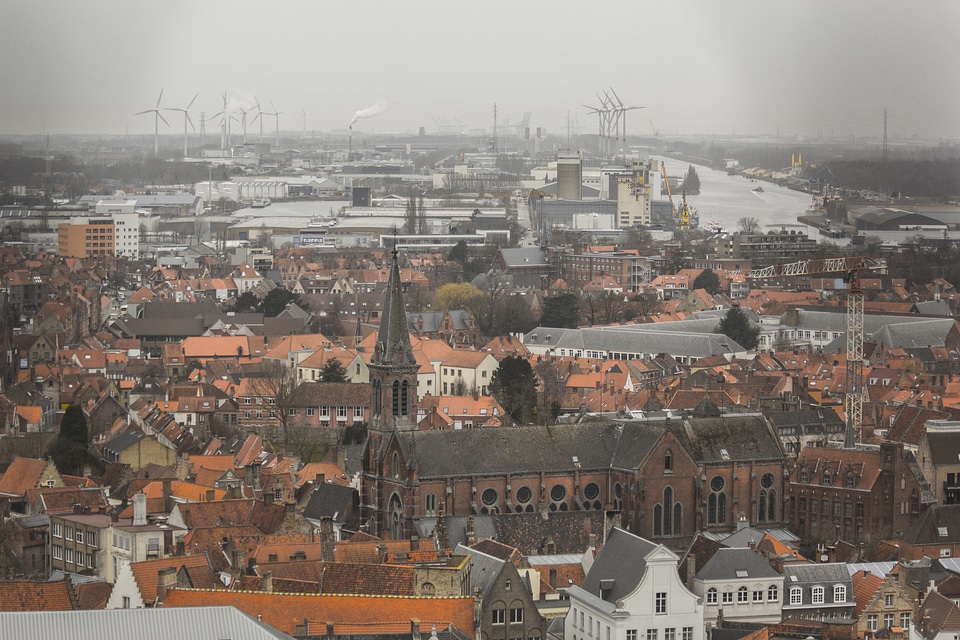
[884,135]
[494,129]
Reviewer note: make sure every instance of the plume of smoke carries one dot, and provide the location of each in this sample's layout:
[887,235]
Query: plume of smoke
[369,112]
[240,102]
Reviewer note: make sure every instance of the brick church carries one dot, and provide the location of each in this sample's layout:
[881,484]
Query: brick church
[663,480]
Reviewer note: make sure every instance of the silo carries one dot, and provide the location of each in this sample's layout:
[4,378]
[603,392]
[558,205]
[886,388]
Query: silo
[569,177]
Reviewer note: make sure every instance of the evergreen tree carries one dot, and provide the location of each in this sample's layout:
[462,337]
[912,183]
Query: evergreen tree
[277,300]
[514,386]
[708,280]
[333,371]
[459,253]
[562,311]
[691,183]
[737,326]
[73,427]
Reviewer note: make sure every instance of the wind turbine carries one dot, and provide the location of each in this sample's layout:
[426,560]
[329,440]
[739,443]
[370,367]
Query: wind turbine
[156,123]
[243,120]
[224,123]
[186,119]
[622,110]
[276,116]
[260,112]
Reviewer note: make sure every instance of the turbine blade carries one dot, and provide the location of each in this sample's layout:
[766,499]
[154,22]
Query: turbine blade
[194,99]
[159,115]
[160,97]
[187,116]
[140,113]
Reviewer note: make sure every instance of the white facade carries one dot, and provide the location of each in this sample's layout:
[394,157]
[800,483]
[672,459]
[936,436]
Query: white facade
[654,605]
[743,587]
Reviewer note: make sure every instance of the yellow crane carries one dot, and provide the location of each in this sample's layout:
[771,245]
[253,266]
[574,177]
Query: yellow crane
[666,181]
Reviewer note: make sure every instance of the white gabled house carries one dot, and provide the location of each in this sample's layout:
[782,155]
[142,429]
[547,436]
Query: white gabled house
[633,591]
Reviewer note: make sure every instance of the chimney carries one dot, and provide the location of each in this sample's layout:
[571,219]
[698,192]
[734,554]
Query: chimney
[114,515]
[251,566]
[415,629]
[327,539]
[471,531]
[381,551]
[211,495]
[167,491]
[742,522]
[266,583]
[140,509]
[321,478]
[166,578]
[77,508]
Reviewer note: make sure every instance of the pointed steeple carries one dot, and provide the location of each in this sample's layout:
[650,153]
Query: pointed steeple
[393,339]
[393,365]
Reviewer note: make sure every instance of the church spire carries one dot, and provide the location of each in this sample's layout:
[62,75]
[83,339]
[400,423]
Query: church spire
[393,365]
[393,339]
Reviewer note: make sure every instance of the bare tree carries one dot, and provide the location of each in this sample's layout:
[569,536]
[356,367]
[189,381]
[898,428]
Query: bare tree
[275,386]
[748,225]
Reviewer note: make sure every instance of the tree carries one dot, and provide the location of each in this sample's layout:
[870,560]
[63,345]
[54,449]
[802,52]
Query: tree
[277,300]
[459,253]
[275,386]
[647,303]
[333,371]
[691,182]
[708,280]
[562,311]
[638,239]
[457,296]
[748,225]
[73,427]
[514,386]
[69,451]
[737,326]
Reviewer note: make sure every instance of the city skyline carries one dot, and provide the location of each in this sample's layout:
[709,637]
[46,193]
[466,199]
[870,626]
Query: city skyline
[741,68]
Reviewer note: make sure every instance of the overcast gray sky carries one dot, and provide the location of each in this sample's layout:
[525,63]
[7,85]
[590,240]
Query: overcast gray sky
[698,66]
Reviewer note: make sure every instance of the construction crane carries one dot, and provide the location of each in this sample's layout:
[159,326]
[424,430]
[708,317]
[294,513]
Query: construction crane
[852,269]
[684,214]
[666,180]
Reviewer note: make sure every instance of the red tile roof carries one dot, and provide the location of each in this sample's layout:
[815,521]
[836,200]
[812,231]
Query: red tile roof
[146,572]
[346,612]
[22,474]
[865,584]
[30,595]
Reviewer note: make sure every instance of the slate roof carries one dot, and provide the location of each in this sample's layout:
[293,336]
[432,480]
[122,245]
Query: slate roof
[728,563]
[622,560]
[433,319]
[737,437]
[499,450]
[484,569]
[674,338]
[332,500]
[944,447]
[314,394]
[926,529]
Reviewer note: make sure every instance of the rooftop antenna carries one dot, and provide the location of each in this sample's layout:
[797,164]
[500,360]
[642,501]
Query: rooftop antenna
[186,119]
[157,117]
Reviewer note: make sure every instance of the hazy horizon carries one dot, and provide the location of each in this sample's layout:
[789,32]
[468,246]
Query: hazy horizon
[742,67]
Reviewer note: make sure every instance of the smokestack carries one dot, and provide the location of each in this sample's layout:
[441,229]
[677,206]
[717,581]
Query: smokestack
[350,143]
[140,509]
